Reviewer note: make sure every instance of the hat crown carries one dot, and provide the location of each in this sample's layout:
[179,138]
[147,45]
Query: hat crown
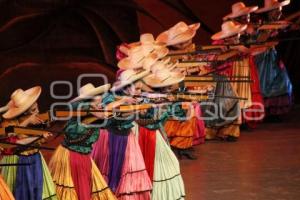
[228,26]
[19,97]
[147,38]
[237,7]
[162,73]
[126,75]
[86,88]
[270,3]
[179,28]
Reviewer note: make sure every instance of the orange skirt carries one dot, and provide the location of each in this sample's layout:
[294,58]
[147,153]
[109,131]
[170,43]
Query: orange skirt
[231,130]
[181,134]
[5,193]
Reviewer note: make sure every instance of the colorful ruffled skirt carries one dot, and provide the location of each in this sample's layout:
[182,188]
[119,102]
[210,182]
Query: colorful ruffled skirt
[77,177]
[5,193]
[100,153]
[162,165]
[121,159]
[275,83]
[31,180]
[254,114]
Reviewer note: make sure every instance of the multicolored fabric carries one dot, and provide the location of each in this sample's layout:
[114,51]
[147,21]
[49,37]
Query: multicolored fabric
[63,169]
[32,181]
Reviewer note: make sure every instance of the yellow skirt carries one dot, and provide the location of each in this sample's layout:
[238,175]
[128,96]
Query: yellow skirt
[61,172]
[242,89]
[5,193]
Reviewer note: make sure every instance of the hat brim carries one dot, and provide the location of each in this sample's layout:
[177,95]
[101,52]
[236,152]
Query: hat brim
[121,84]
[183,37]
[275,6]
[92,93]
[127,63]
[3,109]
[33,95]
[155,82]
[244,11]
[222,35]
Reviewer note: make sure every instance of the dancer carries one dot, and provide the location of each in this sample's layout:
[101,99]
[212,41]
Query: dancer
[75,174]
[31,179]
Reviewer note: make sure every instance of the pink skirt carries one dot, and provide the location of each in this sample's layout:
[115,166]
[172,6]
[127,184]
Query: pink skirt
[100,153]
[135,183]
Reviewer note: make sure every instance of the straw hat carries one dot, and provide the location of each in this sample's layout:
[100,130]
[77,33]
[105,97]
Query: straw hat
[177,34]
[21,101]
[229,29]
[3,109]
[163,76]
[139,56]
[127,77]
[89,90]
[272,4]
[239,9]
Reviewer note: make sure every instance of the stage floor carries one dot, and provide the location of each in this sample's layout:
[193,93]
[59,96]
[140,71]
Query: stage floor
[264,164]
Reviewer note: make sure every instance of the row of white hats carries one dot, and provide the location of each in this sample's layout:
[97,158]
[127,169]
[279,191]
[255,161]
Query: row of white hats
[240,9]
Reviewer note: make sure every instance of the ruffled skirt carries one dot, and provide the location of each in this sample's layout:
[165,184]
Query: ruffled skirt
[135,183]
[32,181]
[77,177]
[275,83]
[255,114]
[167,180]
[100,153]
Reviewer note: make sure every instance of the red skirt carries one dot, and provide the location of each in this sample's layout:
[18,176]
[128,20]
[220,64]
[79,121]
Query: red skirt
[147,141]
[254,114]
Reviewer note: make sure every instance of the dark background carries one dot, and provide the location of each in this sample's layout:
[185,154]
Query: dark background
[46,40]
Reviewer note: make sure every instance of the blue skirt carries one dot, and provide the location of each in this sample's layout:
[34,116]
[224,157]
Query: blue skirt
[29,179]
[273,76]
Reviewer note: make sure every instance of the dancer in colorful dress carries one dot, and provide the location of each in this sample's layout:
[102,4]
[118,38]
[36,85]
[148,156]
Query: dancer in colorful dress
[241,15]
[161,163]
[183,135]
[121,158]
[74,172]
[275,83]
[31,179]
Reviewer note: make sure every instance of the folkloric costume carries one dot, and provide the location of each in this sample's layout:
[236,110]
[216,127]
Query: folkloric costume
[117,152]
[162,164]
[31,179]
[183,134]
[74,172]
[275,84]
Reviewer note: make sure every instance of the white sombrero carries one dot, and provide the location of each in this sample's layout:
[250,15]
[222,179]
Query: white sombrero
[21,101]
[177,34]
[138,57]
[163,76]
[239,9]
[127,77]
[229,29]
[89,90]
[4,109]
[272,4]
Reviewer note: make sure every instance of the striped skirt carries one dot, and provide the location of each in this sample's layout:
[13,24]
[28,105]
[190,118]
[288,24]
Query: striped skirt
[77,177]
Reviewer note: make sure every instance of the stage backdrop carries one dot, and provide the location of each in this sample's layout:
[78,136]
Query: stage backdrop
[46,40]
